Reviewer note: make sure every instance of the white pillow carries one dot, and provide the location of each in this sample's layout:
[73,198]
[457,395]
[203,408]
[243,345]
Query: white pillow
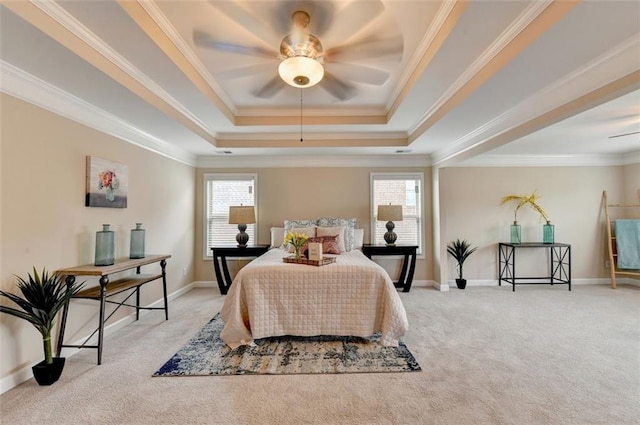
[333,231]
[348,223]
[309,231]
[358,238]
[277,236]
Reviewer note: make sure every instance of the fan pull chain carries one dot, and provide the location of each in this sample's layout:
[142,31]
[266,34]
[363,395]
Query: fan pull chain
[301,139]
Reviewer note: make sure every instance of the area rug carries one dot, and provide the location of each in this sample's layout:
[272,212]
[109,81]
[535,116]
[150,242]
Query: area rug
[207,354]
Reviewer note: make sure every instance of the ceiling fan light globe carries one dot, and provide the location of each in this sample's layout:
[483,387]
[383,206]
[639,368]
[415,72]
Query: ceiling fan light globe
[301,71]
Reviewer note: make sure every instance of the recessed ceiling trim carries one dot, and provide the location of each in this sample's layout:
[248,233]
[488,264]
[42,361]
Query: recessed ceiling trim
[294,141]
[212,89]
[624,85]
[614,65]
[24,86]
[311,120]
[551,14]
[320,161]
[386,135]
[445,20]
[58,24]
[501,42]
[309,111]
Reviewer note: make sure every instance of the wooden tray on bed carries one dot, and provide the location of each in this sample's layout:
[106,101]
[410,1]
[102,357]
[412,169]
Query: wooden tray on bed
[317,263]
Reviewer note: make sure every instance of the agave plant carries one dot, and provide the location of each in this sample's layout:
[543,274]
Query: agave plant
[460,250]
[523,200]
[43,295]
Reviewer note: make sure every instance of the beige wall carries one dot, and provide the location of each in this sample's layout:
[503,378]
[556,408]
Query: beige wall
[304,193]
[44,222]
[470,205]
[632,185]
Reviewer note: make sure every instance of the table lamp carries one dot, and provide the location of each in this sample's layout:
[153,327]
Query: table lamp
[390,213]
[242,216]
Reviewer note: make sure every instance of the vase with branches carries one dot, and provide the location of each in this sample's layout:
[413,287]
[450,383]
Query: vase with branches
[532,202]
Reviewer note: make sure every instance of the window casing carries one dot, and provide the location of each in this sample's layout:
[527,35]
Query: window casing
[220,192]
[399,189]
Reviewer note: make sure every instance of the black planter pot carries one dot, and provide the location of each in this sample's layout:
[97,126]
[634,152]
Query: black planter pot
[47,374]
[462,283]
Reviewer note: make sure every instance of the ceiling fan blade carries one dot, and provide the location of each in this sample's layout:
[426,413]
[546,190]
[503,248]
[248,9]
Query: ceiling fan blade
[247,71]
[625,134]
[205,40]
[270,89]
[358,14]
[361,73]
[366,49]
[246,20]
[337,88]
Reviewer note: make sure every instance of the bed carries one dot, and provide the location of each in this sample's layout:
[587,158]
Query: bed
[352,297]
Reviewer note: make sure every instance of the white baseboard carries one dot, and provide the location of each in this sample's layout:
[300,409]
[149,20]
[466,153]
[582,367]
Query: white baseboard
[205,284]
[584,281]
[24,374]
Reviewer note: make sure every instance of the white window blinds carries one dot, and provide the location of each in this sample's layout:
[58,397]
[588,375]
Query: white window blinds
[221,192]
[403,189]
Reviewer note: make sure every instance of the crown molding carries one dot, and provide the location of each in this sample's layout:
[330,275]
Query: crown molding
[449,10]
[329,161]
[31,89]
[502,41]
[606,69]
[64,18]
[496,160]
[163,23]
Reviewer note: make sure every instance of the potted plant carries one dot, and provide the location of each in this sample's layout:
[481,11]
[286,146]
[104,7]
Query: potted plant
[43,295]
[460,250]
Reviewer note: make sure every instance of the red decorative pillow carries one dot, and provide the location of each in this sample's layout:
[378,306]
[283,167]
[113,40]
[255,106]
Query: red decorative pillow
[329,244]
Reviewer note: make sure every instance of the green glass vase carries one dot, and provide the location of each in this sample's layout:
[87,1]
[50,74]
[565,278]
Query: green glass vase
[515,233]
[136,249]
[105,246]
[548,233]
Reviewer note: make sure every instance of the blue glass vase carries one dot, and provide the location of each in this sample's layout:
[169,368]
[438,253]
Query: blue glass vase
[515,233]
[136,249]
[105,246]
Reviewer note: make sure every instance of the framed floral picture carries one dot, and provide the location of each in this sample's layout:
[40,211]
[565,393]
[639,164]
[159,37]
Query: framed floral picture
[107,184]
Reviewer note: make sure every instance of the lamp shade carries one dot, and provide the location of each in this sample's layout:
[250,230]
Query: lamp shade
[389,212]
[301,71]
[242,215]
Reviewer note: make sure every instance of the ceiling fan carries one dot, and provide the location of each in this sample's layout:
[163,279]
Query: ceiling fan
[624,134]
[304,61]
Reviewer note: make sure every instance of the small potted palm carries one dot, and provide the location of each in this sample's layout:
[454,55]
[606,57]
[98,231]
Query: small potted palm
[460,251]
[43,295]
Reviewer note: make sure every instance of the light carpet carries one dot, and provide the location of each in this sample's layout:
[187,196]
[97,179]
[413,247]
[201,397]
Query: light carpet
[207,354]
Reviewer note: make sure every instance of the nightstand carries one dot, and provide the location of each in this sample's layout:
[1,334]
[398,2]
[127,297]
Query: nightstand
[220,254]
[409,264]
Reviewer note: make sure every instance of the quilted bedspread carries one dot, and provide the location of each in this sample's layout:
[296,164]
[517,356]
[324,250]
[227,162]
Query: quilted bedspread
[353,296]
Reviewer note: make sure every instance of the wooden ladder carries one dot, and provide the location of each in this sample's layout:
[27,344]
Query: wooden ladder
[611,241]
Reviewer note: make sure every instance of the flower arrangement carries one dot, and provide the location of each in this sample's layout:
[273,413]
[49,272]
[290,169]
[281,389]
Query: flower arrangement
[297,240]
[109,181]
[523,200]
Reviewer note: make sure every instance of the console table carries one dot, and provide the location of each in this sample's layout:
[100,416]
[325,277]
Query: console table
[109,288]
[408,265]
[220,254]
[559,260]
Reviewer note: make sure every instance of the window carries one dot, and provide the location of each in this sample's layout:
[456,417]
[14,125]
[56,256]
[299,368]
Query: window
[398,189]
[222,191]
